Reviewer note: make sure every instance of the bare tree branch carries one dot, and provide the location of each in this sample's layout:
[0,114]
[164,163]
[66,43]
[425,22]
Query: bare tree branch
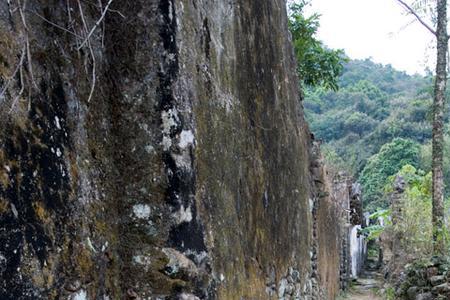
[90,46]
[27,41]
[14,103]
[56,25]
[101,8]
[19,65]
[96,24]
[22,83]
[411,11]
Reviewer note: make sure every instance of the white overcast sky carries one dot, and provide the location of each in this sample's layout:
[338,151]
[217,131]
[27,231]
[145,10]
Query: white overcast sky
[379,29]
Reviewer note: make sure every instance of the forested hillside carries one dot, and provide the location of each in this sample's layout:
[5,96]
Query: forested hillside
[378,121]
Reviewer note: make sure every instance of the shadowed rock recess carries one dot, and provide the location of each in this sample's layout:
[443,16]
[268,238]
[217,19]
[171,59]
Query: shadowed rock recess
[189,173]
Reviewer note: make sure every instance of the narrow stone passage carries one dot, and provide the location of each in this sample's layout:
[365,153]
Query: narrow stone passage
[365,288]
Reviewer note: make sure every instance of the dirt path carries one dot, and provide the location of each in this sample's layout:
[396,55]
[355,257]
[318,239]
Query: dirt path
[365,288]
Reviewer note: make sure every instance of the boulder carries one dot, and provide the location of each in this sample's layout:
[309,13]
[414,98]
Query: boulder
[424,296]
[412,292]
[443,288]
[437,280]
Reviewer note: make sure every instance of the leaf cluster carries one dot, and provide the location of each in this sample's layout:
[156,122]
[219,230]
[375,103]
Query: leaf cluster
[317,65]
[383,165]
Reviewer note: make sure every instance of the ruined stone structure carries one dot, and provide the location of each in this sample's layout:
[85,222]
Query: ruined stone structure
[353,245]
[394,258]
[157,150]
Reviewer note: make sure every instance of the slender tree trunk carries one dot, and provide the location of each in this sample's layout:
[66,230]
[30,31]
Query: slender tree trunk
[438,128]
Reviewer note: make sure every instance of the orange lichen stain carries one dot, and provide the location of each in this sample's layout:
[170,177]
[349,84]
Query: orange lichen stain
[41,212]
[4,178]
[53,294]
[101,226]
[84,261]
[251,287]
[73,168]
[38,279]
[21,111]
[42,276]
[48,272]
[4,206]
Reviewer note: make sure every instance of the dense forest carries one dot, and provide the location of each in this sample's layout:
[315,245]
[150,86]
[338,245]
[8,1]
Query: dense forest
[378,121]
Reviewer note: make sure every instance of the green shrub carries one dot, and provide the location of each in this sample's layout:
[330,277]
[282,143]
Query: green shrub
[391,157]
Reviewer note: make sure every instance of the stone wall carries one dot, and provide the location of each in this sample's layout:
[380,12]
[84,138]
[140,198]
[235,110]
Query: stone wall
[158,153]
[327,226]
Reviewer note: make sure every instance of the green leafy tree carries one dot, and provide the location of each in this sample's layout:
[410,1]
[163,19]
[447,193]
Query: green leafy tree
[370,90]
[426,159]
[376,229]
[359,123]
[317,65]
[391,157]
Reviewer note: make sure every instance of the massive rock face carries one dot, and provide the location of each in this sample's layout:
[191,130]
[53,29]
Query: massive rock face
[157,150]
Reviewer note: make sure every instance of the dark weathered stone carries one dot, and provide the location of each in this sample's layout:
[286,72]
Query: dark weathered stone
[412,292]
[436,280]
[442,288]
[425,296]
